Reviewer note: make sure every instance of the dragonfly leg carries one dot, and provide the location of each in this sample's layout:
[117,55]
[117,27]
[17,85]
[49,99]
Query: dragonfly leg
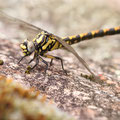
[58,58]
[37,62]
[32,58]
[45,64]
[21,59]
[51,61]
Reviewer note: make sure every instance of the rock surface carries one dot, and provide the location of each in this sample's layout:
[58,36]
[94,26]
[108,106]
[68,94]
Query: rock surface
[77,95]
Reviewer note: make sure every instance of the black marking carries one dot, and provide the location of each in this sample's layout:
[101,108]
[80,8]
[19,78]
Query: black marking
[117,31]
[51,45]
[42,43]
[66,39]
[72,40]
[77,38]
[60,45]
[100,33]
[89,35]
[25,43]
[69,42]
[111,31]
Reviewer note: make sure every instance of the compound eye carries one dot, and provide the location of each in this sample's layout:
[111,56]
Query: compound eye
[31,46]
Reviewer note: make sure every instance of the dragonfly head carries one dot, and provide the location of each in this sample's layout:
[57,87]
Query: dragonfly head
[27,47]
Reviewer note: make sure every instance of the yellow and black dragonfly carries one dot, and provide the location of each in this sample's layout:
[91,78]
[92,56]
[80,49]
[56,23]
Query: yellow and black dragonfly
[43,42]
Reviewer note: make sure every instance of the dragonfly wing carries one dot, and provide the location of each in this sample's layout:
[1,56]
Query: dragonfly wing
[29,29]
[69,48]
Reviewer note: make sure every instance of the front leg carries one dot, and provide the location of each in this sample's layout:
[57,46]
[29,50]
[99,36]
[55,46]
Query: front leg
[21,59]
[37,62]
[32,58]
[31,68]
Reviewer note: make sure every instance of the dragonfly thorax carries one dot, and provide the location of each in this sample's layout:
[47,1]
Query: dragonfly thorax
[43,42]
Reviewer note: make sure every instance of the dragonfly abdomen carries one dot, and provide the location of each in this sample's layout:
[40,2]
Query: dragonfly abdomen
[93,34]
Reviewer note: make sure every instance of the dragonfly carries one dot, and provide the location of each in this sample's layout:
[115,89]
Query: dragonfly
[44,41]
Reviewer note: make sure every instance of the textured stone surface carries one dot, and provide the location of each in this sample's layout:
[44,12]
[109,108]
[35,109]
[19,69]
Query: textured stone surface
[80,97]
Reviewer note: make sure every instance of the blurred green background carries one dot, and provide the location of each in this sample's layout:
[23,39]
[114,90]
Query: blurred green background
[72,17]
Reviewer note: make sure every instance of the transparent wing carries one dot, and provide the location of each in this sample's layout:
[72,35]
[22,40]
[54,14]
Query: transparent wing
[20,25]
[69,48]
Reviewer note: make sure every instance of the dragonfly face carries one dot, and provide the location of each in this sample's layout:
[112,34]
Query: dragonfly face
[27,47]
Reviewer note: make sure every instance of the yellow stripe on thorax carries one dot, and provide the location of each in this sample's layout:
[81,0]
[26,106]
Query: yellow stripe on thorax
[39,39]
[36,37]
[55,46]
[46,45]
